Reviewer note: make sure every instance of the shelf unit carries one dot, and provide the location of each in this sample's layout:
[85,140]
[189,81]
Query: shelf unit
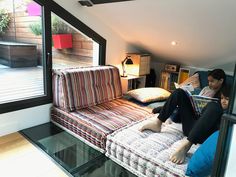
[132,82]
[167,80]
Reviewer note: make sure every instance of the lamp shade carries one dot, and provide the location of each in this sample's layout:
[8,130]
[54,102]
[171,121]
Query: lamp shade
[129,61]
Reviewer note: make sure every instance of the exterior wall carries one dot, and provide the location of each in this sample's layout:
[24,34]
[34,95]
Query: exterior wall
[19,31]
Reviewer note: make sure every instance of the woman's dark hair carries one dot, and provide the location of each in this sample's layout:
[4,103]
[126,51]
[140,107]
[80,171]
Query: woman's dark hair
[225,90]
[218,74]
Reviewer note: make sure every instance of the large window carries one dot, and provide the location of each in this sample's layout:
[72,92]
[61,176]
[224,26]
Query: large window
[71,47]
[87,47]
[22,56]
[29,51]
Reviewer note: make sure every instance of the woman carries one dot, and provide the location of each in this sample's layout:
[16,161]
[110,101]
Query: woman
[196,127]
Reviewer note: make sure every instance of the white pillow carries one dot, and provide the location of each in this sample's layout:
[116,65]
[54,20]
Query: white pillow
[149,94]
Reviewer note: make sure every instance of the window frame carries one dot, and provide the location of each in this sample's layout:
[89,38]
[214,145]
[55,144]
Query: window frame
[223,145]
[225,135]
[49,6]
[75,22]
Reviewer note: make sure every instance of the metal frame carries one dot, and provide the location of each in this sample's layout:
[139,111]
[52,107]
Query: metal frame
[223,145]
[49,6]
[225,135]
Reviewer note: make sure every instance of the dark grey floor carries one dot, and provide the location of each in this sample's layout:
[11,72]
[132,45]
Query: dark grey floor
[79,159]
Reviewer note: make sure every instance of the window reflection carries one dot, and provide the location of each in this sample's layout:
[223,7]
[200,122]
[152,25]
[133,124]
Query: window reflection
[71,48]
[20,51]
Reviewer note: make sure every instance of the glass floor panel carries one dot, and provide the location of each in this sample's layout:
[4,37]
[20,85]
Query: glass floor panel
[78,158]
[104,167]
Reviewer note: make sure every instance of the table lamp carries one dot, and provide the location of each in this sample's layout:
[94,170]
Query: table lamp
[126,61]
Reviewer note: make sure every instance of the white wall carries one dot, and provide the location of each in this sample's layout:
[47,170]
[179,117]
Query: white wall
[25,118]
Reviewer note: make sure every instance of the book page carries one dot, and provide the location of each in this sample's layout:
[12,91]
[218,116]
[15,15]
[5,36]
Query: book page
[188,87]
[205,98]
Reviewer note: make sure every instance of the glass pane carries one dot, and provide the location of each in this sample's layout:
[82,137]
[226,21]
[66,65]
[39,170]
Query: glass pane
[71,48]
[21,51]
[230,167]
[70,152]
[75,156]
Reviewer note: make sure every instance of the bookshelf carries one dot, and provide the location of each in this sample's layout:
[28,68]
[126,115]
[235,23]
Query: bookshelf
[167,80]
[171,74]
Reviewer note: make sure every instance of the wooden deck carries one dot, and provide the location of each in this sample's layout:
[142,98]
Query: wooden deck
[20,83]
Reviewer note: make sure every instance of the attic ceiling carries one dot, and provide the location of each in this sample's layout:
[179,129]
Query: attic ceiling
[204,30]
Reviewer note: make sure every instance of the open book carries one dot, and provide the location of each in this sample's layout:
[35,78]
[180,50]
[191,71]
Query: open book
[188,87]
[198,101]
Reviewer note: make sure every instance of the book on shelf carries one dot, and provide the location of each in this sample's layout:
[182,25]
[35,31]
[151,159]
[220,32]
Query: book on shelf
[198,101]
[168,79]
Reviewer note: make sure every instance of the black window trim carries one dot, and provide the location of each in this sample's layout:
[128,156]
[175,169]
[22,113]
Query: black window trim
[71,19]
[223,145]
[225,135]
[48,7]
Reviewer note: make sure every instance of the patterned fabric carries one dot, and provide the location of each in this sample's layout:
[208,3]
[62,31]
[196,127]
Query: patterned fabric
[149,94]
[147,153]
[78,88]
[94,123]
[59,94]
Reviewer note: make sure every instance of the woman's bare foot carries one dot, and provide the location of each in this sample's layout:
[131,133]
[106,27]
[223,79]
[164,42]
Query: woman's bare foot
[179,155]
[153,125]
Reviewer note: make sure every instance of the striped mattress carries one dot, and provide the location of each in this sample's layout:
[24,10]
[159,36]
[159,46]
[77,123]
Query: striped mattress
[146,154]
[94,123]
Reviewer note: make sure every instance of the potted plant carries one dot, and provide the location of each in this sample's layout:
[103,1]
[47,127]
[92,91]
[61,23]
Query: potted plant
[4,21]
[36,28]
[62,37]
[61,33]
[34,9]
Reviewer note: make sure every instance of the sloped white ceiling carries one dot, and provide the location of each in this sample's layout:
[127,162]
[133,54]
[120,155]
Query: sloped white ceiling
[205,30]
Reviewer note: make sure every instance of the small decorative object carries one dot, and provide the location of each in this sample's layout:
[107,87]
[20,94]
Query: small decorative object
[126,61]
[34,9]
[61,37]
[171,67]
[62,41]
[4,21]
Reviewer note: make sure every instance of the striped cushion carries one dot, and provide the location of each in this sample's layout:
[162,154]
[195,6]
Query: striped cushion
[78,88]
[59,94]
[96,122]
